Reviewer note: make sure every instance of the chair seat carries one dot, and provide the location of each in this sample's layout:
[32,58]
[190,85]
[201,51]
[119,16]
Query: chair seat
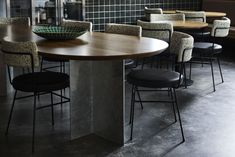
[206,47]
[200,34]
[41,82]
[154,78]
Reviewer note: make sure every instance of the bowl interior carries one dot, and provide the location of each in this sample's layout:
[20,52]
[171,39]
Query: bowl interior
[58,32]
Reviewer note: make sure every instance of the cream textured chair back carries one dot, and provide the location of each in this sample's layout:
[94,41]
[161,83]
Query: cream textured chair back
[20,20]
[193,15]
[167,17]
[80,24]
[182,45]
[221,27]
[149,11]
[124,29]
[159,30]
[4,20]
[28,50]
[153,10]
[15,20]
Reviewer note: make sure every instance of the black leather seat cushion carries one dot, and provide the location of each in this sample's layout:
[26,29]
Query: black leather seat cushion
[206,47]
[41,82]
[154,78]
[200,34]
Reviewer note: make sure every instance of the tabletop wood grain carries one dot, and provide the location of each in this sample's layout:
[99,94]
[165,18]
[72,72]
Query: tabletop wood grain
[209,14]
[90,46]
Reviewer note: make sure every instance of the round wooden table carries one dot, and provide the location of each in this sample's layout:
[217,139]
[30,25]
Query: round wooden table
[97,72]
[209,14]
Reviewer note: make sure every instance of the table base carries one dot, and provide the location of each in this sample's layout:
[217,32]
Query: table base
[97,94]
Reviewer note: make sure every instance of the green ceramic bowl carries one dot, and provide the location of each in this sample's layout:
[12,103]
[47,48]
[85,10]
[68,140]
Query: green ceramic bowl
[58,32]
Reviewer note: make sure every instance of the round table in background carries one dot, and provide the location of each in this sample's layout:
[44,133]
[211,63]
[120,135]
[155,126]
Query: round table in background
[209,14]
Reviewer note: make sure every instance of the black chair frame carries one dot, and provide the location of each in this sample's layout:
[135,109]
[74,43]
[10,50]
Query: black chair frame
[209,58]
[170,90]
[34,95]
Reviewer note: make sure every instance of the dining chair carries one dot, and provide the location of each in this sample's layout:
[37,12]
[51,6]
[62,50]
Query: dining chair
[125,29]
[207,52]
[181,45]
[149,11]
[15,20]
[159,30]
[167,17]
[4,20]
[199,16]
[25,55]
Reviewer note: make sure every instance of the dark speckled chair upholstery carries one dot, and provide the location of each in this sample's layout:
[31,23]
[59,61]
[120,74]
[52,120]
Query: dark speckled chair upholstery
[181,45]
[25,55]
[207,52]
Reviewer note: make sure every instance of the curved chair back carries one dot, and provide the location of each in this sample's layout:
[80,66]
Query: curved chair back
[20,54]
[4,20]
[182,45]
[159,30]
[193,15]
[153,10]
[123,29]
[80,24]
[221,27]
[20,20]
[167,17]
[149,11]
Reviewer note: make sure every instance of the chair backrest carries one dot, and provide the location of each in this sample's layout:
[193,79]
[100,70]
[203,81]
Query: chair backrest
[153,10]
[221,27]
[80,24]
[19,54]
[123,29]
[20,20]
[158,30]
[4,20]
[167,17]
[193,15]
[149,11]
[182,45]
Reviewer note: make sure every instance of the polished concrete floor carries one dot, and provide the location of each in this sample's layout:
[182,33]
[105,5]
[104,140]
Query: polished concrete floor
[208,119]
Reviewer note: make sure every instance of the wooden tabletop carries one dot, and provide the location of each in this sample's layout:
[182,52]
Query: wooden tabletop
[90,46]
[209,14]
[188,24]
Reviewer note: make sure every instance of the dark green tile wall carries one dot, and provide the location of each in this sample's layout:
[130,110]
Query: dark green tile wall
[100,12]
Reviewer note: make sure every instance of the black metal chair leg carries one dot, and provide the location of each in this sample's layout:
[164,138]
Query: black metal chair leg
[142,67]
[10,116]
[190,70]
[138,93]
[133,113]
[173,104]
[52,109]
[132,94]
[212,73]
[34,119]
[185,77]
[177,108]
[61,99]
[221,74]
